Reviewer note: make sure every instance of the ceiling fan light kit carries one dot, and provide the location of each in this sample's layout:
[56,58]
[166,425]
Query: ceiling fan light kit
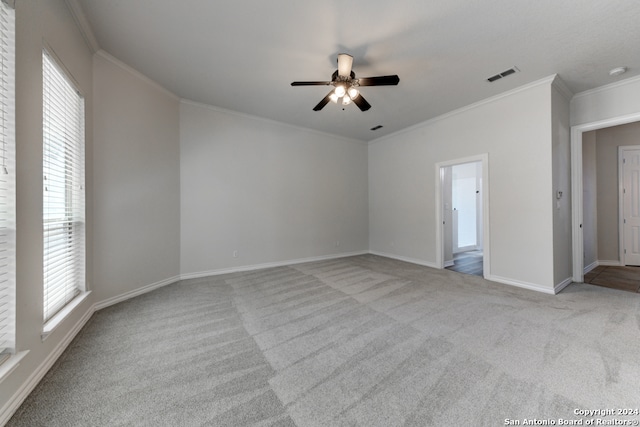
[346,85]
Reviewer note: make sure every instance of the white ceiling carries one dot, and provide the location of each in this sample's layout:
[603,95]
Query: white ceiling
[243,55]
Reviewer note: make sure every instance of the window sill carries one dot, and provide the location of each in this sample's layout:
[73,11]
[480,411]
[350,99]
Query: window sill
[11,364]
[56,320]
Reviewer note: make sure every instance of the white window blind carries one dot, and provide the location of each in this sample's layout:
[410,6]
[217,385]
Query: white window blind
[64,204]
[7,181]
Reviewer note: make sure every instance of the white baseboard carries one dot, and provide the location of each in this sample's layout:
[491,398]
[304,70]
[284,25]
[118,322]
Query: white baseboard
[465,249]
[503,280]
[238,269]
[405,259]
[520,284]
[12,405]
[590,267]
[610,263]
[128,295]
[560,286]
[27,387]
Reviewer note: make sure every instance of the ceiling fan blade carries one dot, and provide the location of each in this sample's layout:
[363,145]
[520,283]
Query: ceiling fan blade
[322,103]
[379,81]
[362,103]
[345,62]
[310,83]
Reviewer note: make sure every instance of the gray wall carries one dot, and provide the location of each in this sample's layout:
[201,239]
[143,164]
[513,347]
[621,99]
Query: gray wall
[39,24]
[607,142]
[136,173]
[269,191]
[515,130]
[561,160]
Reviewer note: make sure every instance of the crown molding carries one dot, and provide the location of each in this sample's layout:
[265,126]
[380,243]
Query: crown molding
[115,61]
[562,87]
[544,81]
[270,121]
[83,24]
[621,83]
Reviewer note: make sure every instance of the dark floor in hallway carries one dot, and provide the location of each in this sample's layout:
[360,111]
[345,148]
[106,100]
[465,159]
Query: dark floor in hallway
[469,262]
[623,278]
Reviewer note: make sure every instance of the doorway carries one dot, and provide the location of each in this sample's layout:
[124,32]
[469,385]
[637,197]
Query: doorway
[462,215]
[577,193]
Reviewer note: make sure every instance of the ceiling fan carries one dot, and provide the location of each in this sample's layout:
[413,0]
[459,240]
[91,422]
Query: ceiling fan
[346,85]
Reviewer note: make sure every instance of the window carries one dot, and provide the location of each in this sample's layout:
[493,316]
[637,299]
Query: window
[63,204]
[7,183]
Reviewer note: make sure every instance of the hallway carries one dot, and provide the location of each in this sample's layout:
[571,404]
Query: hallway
[469,262]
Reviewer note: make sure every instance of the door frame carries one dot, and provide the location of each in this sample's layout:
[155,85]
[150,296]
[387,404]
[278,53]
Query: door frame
[621,236]
[577,188]
[486,236]
[478,207]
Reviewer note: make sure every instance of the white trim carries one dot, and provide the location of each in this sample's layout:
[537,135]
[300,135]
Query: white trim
[9,365]
[591,266]
[83,24]
[270,121]
[498,279]
[196,275]
[605,88]
[27,387]
[520,284]
[610,263]
[577,237]
[621,252]
[486,232]
[134,293]
[560,286]
[199,274]
[405,259]
[448,263]
[562,88]
[136,73]
[546,80]
[621,235]
[53,323]
[576,183]
[102,53]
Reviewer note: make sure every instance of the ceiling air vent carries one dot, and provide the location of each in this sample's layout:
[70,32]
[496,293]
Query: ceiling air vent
[376,127]
[503,74]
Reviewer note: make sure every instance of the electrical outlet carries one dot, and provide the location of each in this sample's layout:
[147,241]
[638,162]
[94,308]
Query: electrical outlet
[337,243]
[235,254]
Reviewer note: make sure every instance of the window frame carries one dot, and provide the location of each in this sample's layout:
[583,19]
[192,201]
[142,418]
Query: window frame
[7,184]
[64,207]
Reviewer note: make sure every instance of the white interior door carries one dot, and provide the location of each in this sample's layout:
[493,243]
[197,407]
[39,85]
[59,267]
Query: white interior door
[631,206]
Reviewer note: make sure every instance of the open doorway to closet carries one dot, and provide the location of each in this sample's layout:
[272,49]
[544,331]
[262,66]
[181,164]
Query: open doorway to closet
[462,215]
[611,206]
